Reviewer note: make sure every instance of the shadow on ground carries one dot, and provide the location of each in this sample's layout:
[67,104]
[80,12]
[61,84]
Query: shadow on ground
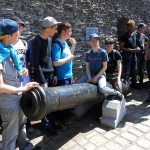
[71,127]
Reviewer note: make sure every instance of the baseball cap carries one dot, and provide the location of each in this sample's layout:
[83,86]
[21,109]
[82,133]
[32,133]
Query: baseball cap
[141,25]
[8,26]
[110,40]
[49,21]
[94,35]
[18,20]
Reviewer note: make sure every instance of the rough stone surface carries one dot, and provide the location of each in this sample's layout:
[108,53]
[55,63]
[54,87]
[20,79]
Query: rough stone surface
[106,15]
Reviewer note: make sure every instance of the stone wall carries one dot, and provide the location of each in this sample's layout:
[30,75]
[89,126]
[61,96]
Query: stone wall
[103,14]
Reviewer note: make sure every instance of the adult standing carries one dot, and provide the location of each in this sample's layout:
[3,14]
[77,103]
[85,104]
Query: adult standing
[10,86]
[41,52]
[140,42]
[41,62]
[147,58]
[21,48]
[129,49]
[62,54]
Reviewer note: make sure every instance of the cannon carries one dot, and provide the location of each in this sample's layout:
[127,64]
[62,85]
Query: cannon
[39,101]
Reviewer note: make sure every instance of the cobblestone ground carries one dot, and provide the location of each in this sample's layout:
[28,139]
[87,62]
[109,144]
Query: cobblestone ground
[86,133]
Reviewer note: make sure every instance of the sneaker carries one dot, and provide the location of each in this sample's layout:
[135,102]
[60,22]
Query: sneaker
[119,94]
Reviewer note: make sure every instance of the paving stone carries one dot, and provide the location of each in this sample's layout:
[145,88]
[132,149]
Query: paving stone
[135,132]
[90,134]
[129,113]
[137,115]
[144,143]
[142,127]
[116,131]
[142,110]
[69,144]
[148,136]
[147,115]
[98,140]
[129,136]
[136,121]
[146,122]
[99,130]
[90,146]
[109,135]
[134,147]
[37,140]
[113,146]
[129,123]
[81,140]
[122,141]
[101,148]
[125,128]
[75,148]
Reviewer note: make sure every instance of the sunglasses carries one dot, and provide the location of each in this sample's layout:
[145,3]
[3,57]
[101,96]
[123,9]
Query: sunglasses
[109,43]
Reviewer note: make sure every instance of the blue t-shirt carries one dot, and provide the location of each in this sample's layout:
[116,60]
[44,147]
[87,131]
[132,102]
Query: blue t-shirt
[96,60]
[64,71]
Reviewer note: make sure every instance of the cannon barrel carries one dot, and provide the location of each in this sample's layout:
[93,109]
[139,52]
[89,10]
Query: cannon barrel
[39,101]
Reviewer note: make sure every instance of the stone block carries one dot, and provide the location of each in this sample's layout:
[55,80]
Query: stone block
[113,112]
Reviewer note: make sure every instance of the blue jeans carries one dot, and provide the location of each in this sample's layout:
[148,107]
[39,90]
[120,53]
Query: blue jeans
[140,66]
[14,129]
[48,120]
[67,81]
[64,114]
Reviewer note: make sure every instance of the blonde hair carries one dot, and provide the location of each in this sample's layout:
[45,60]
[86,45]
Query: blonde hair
[131,22]
[2,37]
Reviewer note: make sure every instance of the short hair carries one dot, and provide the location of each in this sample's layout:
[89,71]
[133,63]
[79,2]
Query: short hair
[63,26]
[131,22]
[18,20]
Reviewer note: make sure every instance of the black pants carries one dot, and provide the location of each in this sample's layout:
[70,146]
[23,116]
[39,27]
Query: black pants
[148,68]
[140,67]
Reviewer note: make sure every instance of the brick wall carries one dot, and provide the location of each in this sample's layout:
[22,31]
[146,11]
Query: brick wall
[103,14]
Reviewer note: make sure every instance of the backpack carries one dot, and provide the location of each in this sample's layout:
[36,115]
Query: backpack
[29,49]
[29,52]
[60,45]
[48,63]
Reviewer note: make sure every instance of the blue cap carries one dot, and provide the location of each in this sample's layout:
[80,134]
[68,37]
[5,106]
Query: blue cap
[94,35]
[8,27]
